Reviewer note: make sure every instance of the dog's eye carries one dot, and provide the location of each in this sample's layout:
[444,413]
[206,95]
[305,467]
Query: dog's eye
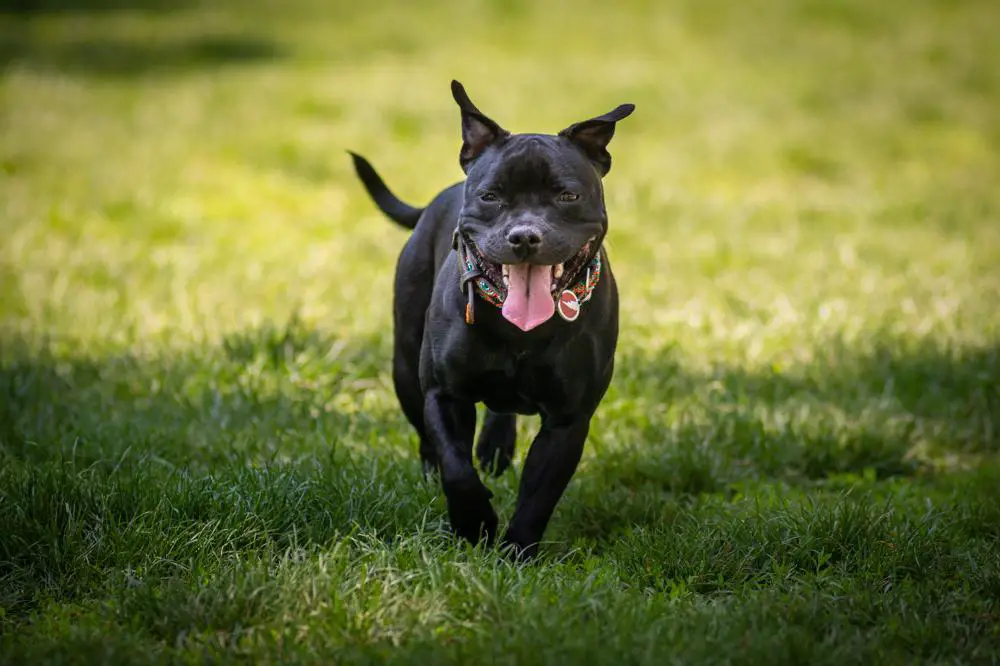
[489,197]
[569,196]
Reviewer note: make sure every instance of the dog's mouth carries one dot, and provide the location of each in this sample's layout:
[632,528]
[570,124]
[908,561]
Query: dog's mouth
[562,275]
[529,290]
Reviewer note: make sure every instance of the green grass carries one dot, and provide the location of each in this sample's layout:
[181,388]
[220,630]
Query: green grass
[201,456]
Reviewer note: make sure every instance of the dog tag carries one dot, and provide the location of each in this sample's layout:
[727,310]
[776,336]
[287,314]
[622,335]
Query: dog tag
[568,305]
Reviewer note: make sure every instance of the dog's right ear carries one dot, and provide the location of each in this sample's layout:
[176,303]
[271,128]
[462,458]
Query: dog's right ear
[478,131]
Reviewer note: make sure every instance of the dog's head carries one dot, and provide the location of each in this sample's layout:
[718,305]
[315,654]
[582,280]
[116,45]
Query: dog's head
[534,205]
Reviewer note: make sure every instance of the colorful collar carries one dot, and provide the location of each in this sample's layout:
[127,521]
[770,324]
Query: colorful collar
[473,280]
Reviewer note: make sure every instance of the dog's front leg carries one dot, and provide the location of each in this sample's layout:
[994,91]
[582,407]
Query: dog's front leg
[451,425]
[551,462]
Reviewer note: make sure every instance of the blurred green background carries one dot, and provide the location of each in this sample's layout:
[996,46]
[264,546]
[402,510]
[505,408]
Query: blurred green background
[195,302]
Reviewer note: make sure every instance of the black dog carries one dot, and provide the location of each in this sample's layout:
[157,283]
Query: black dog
[478,287]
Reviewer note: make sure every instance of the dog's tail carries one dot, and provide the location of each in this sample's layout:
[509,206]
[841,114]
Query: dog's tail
[399,212]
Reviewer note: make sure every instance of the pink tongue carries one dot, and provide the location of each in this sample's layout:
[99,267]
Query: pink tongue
[529,297]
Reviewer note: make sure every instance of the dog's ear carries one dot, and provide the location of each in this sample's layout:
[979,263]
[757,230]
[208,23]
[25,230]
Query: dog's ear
[478,131]
[593,136]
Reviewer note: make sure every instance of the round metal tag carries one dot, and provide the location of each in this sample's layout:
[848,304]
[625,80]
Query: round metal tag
[568,305]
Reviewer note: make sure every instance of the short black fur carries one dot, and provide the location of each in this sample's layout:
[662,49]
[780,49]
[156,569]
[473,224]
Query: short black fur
[547,189]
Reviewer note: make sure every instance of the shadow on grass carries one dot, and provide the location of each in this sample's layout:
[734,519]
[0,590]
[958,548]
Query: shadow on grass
[283,437]
[199,406]
[846,419]
[90,6]
[103,46]
[117,57]
[662,424]
[123,463]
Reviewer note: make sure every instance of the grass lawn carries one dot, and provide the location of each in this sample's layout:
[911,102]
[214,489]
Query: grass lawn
[201,455]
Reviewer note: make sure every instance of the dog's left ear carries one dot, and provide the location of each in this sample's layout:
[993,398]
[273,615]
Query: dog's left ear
[593,136]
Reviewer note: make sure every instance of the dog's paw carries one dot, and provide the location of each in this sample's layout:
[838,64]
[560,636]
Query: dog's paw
[472,515]
[516,552]
[495,446]
[430,470]
[496,463]
[475,527]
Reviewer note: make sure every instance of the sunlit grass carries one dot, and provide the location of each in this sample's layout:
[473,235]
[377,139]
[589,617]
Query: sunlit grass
[201,456]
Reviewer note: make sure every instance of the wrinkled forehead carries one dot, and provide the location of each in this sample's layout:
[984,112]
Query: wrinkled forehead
[533,162]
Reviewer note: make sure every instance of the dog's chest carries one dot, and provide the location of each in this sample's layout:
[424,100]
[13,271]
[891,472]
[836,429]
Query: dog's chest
[519,388]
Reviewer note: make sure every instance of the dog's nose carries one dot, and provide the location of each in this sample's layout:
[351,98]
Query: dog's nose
[524,241]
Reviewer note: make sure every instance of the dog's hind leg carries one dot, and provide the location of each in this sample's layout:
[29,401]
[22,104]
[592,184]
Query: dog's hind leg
[412,294]
[495,445]
[405,377]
